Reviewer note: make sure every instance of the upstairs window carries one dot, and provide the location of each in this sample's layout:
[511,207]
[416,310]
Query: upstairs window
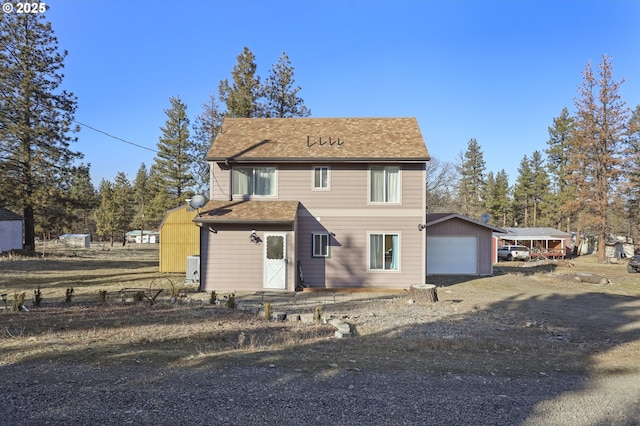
[254,181]
[385,184]
[321,177]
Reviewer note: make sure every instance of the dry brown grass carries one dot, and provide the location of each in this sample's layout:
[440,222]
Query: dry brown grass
[524,321]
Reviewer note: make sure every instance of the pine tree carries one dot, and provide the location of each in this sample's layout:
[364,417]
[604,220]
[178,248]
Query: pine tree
[83,198]
[243,96]
[142,196]
[539,184]
[123,203]
[497,201]
[601,117]
[523,193]
[282,100]
[471,169]
[632,177]
[206,128]
[558,156]
[105,214]
[176,153]
[35,115]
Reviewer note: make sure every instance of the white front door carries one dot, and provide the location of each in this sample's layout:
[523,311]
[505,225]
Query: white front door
[275,260]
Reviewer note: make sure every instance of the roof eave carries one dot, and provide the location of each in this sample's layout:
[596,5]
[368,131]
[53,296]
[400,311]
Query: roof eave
[243,221]
[319,160]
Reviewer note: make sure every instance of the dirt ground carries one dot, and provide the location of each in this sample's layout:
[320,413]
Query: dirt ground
[557,338]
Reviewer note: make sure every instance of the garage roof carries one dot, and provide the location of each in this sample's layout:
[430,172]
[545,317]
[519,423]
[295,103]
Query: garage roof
[435,218]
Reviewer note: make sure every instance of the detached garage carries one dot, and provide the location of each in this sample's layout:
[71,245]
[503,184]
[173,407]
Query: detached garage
[459,245]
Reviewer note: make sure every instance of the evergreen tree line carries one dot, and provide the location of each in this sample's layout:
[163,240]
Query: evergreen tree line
[179,170]
[586,181]
[40,173]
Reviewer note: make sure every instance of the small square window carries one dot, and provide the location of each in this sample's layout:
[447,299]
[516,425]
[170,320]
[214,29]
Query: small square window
[321,177]
[320,245]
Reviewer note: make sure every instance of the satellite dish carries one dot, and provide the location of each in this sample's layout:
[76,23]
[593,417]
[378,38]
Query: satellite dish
[485,218]
[196,201]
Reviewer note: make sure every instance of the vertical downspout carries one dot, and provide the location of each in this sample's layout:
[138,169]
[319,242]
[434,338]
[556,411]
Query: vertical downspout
[226,162]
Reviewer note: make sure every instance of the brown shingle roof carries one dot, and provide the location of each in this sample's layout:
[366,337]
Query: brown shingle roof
[248,211]
[313,139]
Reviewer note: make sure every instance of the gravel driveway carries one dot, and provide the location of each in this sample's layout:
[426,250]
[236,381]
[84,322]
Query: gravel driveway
[604,390]
[64,394]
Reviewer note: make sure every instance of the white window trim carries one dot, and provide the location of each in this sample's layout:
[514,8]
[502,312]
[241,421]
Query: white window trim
[384,203]
[275,195]
[368,259]
[313,177]
[313,245]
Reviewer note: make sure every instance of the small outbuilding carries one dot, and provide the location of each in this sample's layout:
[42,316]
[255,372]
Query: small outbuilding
[179,240]
[76,240]
[459,245]
[10,230]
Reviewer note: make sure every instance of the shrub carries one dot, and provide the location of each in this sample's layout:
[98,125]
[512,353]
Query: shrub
[37,297]
[18,301]
[267,311]
[231,301]
[68,295]
[138,296]
[317,314]
[102,295]
[213,299]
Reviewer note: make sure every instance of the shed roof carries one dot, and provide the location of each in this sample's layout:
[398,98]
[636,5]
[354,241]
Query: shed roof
[435,218]
[9,215]
[324,139]
[248,211]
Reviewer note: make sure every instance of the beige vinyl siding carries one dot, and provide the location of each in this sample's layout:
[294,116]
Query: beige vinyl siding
[219,189]
[233,263]
[344,212]
[348,265]
[457,227]
[349,186]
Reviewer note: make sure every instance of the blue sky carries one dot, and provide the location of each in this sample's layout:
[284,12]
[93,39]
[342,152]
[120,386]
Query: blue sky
[496,71]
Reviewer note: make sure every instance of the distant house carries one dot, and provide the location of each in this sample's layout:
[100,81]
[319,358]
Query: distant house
[314,202]
[179,239]
[459,245]
[542,242]
[143,236]
[10,231]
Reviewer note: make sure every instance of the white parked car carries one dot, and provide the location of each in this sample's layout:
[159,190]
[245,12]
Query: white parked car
[513,253]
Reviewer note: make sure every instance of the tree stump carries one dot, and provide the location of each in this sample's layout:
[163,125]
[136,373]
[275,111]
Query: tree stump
[423,293]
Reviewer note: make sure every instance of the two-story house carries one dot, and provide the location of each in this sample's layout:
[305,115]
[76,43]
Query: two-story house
[339,199]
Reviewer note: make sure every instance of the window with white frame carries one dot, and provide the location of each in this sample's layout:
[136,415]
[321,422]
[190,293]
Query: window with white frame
[321,177]
[385,184]
[384,252]
[320,245]
[254,181]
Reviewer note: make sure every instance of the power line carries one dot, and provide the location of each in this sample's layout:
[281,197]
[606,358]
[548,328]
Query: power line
[114,137]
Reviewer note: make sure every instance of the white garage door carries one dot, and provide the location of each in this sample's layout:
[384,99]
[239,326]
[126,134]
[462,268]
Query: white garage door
[452,255]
